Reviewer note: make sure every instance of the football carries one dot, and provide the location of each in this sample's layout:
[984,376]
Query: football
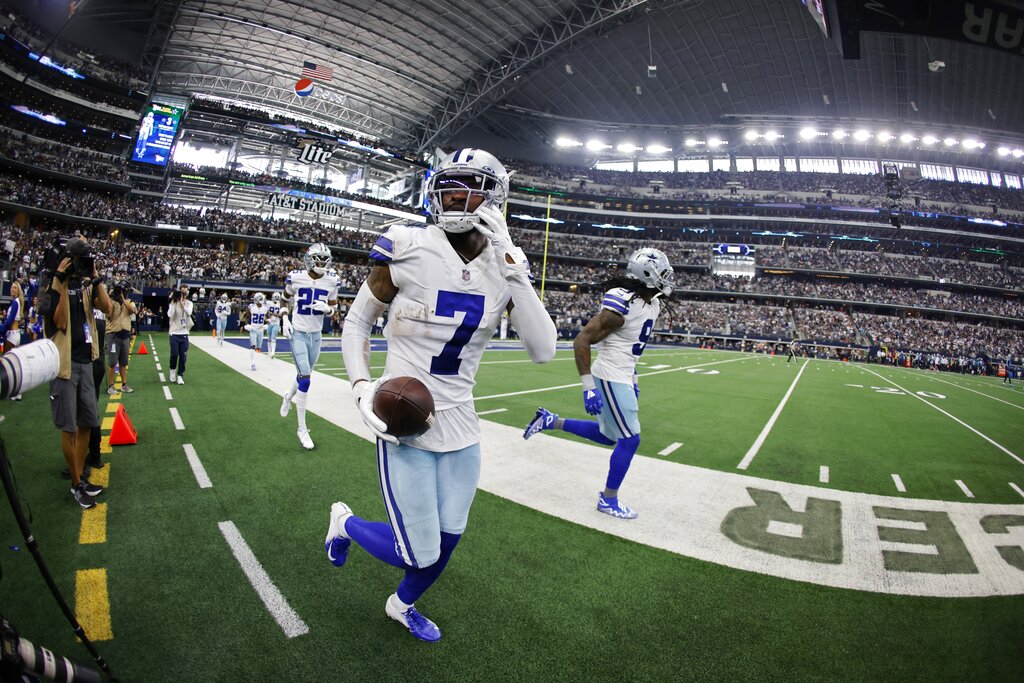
[406,405]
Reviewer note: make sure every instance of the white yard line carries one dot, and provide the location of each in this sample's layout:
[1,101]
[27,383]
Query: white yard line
[899,483]
[283,614]
[823,474]
[963,487]
[178,424]
[161,376]
[975,391]
[749,457]
[1017,489]
[952,417]
[669,449]
[491,412]
[197,467]
[167,393]
[158,368]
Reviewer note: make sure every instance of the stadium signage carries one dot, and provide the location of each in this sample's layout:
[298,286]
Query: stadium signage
[313,153]
[285,201]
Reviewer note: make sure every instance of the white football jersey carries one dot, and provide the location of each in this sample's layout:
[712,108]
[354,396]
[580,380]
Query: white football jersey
[273,313]
[445,311]
[258,317]
[303,289]
[618,352]
[223,309]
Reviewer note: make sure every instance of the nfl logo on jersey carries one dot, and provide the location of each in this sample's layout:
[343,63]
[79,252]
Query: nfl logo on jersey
[465,275]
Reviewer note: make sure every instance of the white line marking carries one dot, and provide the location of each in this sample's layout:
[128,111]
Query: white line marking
[980,393]
[669,449]
[167,393]
[952,417]
[283,614]
[660,367]
[178,424]
[197,467]
[1017,489]
[161,376]
[158,368]
[491,412]
[576,384]
[899,483]
[859,386]
[823,474]
[785,529]
[745,463]
[963,487]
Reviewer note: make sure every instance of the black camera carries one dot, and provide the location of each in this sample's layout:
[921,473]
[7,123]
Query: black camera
[19,655]
[83,261]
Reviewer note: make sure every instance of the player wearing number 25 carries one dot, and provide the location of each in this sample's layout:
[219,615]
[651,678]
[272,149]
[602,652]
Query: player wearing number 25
[447,284]
[620,331]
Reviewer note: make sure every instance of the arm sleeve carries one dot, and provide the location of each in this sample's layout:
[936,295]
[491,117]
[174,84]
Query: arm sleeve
[531,320]
[355,336]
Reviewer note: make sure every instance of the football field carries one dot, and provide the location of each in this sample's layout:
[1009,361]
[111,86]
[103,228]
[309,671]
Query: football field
[807,520]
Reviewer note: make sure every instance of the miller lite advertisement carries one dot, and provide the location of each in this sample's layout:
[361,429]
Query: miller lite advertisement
[312,153]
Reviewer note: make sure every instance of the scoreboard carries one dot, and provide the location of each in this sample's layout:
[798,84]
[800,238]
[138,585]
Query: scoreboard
[157,129]
[737,260]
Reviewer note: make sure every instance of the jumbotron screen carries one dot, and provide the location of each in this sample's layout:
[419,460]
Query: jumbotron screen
[156,134]
[818,13]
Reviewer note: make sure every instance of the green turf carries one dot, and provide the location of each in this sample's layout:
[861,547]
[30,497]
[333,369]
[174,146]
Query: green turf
[527,596]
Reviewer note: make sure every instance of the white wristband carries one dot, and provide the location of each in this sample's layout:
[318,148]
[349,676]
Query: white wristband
[588,382]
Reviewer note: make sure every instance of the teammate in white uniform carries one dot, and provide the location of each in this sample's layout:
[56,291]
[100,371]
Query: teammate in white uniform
[447,285]
[620,331]
[258,311]
[222,311]
[314,292]
[273,323]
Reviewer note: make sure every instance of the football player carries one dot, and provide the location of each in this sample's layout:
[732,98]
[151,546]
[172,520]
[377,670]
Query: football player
[447,285]
[273,322]
[258,312]
[315,295]
[620,331]
[222,311]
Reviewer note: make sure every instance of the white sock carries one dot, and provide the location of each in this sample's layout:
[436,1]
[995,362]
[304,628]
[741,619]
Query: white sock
[300,404]
[252,355]
[397,602]
[291,392]
[273,347]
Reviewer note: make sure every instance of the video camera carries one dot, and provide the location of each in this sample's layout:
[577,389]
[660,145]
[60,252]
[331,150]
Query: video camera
[25,367]
[83,261]
[20,655]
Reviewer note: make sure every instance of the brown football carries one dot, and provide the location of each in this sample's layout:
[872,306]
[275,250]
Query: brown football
[405,404]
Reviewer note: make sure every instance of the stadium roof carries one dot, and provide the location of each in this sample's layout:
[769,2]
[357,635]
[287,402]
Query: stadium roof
[414,72]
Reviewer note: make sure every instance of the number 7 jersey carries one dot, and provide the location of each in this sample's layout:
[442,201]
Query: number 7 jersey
[302,290]
[445,311]
[618,352]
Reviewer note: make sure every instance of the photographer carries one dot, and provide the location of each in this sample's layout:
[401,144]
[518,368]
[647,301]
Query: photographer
[119,337]
[179,311]
[67,306]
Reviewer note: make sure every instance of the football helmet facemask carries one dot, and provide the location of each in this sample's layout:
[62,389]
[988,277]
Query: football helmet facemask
[472,172]
[652,269]
[276,297]
[258,298]
[224,297]
[317,258]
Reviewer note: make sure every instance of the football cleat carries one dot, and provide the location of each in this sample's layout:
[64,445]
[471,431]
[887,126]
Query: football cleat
[611,506]
[181,380]
[337,544]
[286,406]
[544,419]
[419,626]
[304,439]
[252,367]
[174,376]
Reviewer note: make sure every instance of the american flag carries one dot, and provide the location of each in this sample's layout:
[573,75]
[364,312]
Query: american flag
[311,70]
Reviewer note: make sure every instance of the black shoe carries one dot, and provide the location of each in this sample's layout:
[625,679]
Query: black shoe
[92,489]
[81,497]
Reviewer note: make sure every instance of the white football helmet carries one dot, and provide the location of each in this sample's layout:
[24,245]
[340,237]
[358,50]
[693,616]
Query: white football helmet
[317,258]
[470,171]
[258,298]
[276,298]
[652,269]
[224,297]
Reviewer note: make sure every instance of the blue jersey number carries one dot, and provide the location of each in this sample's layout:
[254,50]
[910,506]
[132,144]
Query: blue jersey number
[306,296]
[645,334]
[257,318]
[448,304]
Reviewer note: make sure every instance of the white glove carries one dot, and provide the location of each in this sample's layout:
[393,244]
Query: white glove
[286,327]
[363,393]
[321,306]
[493,226]
[248,327]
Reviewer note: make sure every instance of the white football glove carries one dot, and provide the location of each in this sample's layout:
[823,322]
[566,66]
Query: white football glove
[363,393]
[321,306]
[286,327]
[493,226]
[247,327]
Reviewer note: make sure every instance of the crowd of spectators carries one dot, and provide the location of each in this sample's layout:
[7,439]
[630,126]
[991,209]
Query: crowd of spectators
[62,158]
[950,338]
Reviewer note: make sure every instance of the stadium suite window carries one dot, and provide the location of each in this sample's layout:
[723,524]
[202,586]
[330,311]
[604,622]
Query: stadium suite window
[693,165]
[744,164]
[997,179]
[860,166]
[768,163]
[937,172]
[614,166]
[1012,181]
[720,164]
[828,165]
[972,175]
[789,163]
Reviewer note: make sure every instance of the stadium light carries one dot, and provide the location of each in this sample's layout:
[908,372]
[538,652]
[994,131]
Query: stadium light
[751,135]
[627,147]
[971,143]
[907,138]
[658,149]
[929,139]
[715,142]
[838,134]
[567,142]
[808,133]
[595,145]
[771,136]
[861,135]
[949,142]
[690,142]
[884,137]
[1018,153]
[1003,151]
